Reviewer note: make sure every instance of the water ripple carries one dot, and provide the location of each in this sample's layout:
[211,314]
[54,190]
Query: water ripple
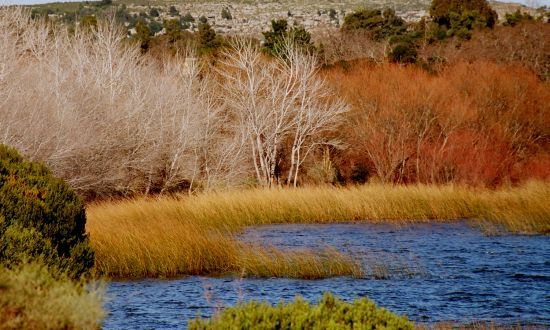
[437,272]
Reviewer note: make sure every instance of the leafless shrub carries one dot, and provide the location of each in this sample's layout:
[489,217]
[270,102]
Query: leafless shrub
[104,117]
[337,46]
[112,121]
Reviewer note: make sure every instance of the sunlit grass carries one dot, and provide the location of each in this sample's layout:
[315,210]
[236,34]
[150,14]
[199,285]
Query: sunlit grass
[168,236]
[35,297]
[161,247]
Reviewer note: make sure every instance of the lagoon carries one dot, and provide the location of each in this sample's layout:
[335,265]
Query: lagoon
[429,272]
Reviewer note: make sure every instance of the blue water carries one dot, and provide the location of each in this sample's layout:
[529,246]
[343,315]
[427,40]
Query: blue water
[442,272]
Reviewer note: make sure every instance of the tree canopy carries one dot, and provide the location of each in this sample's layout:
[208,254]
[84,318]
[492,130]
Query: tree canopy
[280,32]
[382,24]
[442,11]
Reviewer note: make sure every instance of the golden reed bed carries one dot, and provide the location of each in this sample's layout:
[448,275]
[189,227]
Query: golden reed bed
[184,235]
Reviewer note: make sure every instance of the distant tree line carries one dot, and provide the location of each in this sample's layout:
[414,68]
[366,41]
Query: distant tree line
[454,19]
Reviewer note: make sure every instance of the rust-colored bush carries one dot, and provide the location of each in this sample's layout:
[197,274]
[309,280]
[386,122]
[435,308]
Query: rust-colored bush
[476,123]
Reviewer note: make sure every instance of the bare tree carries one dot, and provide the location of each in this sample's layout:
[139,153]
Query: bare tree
[276,100]
[316,109]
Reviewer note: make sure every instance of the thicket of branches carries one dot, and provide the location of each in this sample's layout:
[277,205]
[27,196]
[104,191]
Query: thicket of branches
[113,121]
[475,123]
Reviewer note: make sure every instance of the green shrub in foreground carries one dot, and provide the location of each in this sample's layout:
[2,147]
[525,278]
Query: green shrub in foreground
[329,313]
[41,218]
[33,298]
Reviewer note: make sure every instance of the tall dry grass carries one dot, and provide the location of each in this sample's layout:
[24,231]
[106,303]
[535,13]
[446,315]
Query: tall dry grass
[168,236]
[131,241]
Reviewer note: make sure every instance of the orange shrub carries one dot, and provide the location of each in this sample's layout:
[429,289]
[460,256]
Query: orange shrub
[477,123]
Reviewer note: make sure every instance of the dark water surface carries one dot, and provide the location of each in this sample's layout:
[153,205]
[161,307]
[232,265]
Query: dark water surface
[429,272]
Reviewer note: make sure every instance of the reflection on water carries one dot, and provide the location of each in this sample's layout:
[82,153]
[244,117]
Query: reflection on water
[442,272]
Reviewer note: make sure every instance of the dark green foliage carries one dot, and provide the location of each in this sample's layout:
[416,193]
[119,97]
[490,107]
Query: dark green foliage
[437,33]
[332,14]
[382,24]
[105,3]
[463,24]
[226,14]
[208,41]
[173,29]
[275,36]
[187,18]
[143,35]
[329,313]
[154,12]
[173,11]
[280,33]
[68,18]
[517,17]
[385,25]
[403,52]
[20,243]
[185,25]
[302,38]
[441,11]
[155,27]
[123,16]
[41,218]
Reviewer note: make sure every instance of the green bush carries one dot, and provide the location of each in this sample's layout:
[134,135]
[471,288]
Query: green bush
[41,218]
[329,313]
[462,24]
[187,18]
[172,29]
[280,32]
[226,14]
[382,24]
[208,40]
[31,297]
[155,27]
[154,12]
[143,35]
[403,52]
[441,11]
[516,18]
[173,11]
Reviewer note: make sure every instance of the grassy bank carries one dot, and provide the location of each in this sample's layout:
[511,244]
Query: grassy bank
[167,236]
[156,245]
